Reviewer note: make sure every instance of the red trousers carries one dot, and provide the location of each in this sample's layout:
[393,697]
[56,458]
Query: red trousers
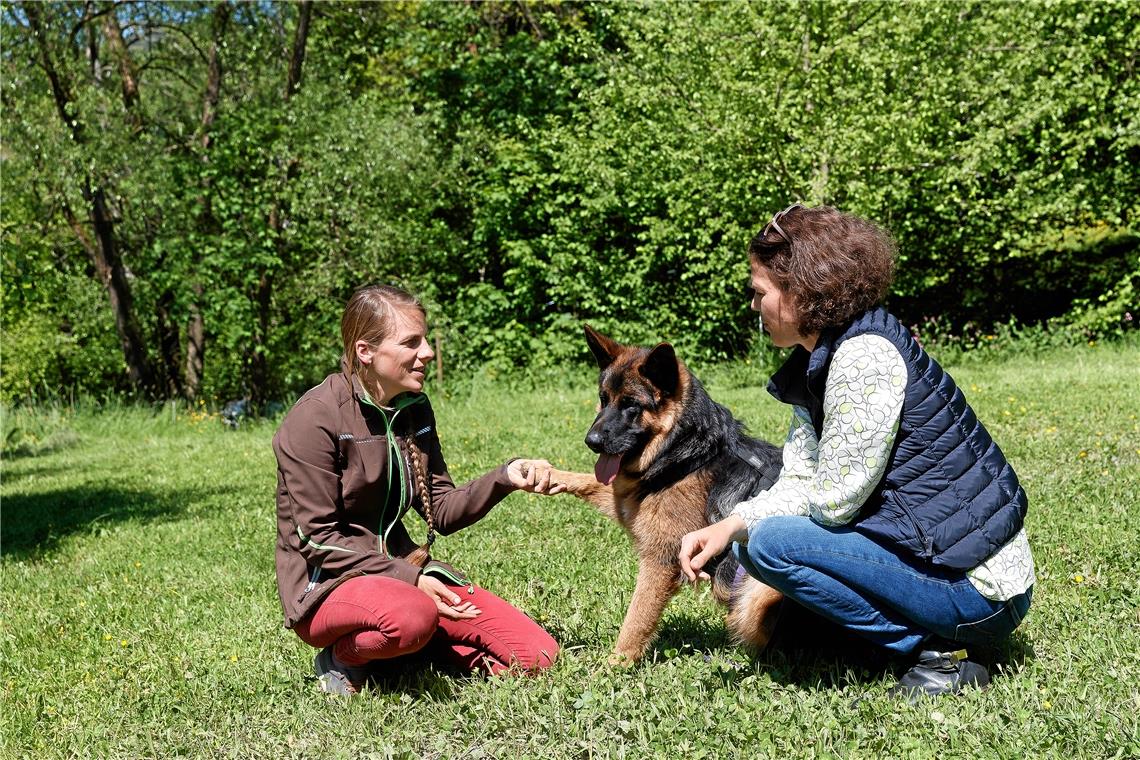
[372,617]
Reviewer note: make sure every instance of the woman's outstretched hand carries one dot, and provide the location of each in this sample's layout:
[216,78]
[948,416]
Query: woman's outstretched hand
[446,600]
[534,475]
[698,547]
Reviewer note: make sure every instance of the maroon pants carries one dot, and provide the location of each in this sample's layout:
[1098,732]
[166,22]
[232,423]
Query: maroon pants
[377,618]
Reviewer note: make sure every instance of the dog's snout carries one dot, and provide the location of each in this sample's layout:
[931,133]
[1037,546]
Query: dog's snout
[594,441]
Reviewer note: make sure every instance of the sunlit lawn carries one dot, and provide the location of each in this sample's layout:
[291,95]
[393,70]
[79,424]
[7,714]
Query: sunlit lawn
[140,616]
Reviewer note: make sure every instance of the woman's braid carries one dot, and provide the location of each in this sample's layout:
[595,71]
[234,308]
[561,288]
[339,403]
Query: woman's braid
[416,459]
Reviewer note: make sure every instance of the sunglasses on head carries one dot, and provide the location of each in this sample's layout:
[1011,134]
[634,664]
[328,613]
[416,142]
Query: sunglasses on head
[775,223]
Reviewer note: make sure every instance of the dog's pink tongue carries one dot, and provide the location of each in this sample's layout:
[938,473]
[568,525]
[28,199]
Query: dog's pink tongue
[607,468]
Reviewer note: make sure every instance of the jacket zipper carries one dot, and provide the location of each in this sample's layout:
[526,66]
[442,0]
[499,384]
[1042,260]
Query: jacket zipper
[927,542]
[393,453]
[314,578]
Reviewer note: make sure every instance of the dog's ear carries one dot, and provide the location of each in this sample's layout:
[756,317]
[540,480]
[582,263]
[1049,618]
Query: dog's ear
[661,369]
[604,349]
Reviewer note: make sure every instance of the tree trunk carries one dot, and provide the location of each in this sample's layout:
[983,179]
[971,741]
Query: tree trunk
[207,224]
[110,269]
[128,72]
[169,344]
[297,59]
[195,346]
[102,248]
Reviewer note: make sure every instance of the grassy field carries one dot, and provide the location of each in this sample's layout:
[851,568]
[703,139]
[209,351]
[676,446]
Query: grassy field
[140,617]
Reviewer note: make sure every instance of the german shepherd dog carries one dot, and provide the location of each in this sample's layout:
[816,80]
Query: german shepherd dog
[670,461]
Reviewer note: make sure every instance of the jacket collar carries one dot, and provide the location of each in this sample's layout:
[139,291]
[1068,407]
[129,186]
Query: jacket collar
[798,380]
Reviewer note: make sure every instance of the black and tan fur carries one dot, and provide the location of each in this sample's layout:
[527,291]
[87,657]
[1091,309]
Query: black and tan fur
[685,462]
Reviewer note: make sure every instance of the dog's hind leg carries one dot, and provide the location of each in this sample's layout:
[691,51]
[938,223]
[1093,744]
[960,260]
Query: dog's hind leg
[587,488]
[657,583]
[754,612]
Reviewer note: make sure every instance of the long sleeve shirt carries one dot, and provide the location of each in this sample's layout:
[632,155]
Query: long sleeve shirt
[829,477]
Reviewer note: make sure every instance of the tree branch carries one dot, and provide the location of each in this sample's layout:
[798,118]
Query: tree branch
[297,58]
[186,36]
[210,99]
[128,71]
[60,90]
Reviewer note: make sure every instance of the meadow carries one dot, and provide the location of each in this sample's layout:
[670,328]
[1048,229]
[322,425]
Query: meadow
[140,617]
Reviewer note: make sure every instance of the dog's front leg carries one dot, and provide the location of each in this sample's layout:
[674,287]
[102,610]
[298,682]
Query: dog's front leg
[587,488]
[657,583]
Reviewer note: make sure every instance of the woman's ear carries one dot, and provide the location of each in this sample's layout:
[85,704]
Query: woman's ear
[364,352]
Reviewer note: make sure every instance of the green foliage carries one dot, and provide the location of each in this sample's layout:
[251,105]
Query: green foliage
[141,618]
[528,167]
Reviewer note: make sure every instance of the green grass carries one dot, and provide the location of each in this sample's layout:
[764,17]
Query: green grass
[140,616]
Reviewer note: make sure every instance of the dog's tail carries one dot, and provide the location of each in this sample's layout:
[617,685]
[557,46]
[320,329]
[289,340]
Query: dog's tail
[753,608]
[727,574]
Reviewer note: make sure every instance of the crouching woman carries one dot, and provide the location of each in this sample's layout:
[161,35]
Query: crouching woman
[353,456]
[896,515]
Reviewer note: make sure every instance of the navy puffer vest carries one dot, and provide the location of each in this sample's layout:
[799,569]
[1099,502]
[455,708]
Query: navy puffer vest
[948,495]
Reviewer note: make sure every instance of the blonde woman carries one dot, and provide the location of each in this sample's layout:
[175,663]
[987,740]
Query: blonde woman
[354,454]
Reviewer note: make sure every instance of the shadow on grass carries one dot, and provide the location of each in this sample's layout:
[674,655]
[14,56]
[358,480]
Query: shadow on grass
[34,524]
[424,681]
[686,633]
[419,675]
[814,654]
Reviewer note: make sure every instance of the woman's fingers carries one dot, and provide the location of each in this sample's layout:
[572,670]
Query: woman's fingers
[535,476]
[697,548]
[462,612]
[689,547]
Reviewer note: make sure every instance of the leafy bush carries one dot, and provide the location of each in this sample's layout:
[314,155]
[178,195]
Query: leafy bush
[530,167]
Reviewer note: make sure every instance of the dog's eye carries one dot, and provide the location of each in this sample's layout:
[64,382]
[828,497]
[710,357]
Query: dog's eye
[631,407]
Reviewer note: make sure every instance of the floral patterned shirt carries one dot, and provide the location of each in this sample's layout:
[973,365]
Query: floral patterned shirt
[829,478]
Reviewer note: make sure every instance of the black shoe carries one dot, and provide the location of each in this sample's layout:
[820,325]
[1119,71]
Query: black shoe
[938,673]
[334,677]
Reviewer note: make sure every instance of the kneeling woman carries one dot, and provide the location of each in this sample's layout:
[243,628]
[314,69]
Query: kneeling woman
[353,455]
[896,515]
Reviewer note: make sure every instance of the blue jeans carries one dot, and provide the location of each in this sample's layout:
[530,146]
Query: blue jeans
[893,601]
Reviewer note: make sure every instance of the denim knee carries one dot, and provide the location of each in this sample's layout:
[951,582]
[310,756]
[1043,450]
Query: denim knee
[770,543]
[772,537]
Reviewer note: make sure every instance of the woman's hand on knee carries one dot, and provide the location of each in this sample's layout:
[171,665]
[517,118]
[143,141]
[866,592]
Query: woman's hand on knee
[700,546]
[447,602]
[535,476]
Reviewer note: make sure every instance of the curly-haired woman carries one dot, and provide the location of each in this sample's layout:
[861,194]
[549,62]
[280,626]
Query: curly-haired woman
[353,455]
[896,516]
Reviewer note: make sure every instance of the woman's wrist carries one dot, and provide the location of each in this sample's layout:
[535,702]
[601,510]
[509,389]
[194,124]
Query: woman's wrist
[735,529]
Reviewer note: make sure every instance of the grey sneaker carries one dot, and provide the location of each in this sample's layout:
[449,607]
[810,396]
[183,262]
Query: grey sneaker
[938,673]
[334,677]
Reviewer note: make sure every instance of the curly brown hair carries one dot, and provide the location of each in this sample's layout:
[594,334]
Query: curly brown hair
[832,265]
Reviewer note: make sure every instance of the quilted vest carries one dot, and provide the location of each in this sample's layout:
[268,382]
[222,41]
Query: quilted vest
[948,495]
